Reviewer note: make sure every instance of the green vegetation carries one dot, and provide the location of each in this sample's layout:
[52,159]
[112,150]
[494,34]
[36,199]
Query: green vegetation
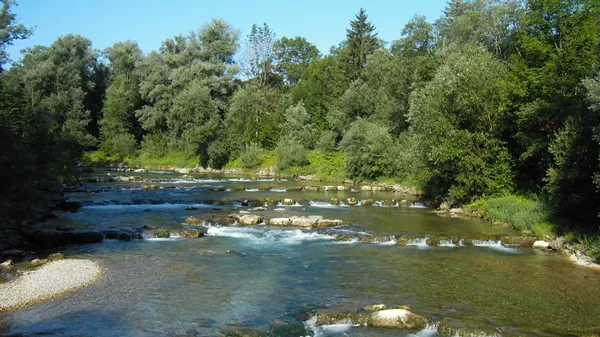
[492,99]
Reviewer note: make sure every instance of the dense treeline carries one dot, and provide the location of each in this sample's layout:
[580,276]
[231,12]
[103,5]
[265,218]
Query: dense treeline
[493,98]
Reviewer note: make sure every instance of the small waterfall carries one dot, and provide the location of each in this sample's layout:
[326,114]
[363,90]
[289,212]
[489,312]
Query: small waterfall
[327,330]
[278,190]
[252,190]
[447,243]
[487,243]
[418,242]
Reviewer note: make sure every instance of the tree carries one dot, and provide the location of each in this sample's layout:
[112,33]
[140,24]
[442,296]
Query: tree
[258,55]
[369,151]
[417,38]
[187,86]
[361,41]
[10,30]
[456,124]
[120,129]
[293,57]
[58,79]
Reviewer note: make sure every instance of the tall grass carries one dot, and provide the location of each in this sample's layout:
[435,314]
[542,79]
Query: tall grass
[520,212]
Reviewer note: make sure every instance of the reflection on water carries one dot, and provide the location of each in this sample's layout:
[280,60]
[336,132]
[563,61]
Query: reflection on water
[274,277]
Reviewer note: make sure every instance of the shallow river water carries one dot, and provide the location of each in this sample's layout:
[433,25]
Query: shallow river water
[277,278]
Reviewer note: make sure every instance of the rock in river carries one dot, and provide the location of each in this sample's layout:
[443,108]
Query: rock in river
[250,220]
[397,318]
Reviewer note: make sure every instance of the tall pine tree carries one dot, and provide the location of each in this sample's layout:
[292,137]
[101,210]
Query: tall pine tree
[361,42]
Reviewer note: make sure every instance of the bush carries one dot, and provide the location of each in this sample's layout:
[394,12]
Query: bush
[155,145]
[120,145]
[290,153]
[327,142]
[369,151]
[251,157]
[218,154]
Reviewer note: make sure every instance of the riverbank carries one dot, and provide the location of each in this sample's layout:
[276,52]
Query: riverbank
[48,281]
[533,217]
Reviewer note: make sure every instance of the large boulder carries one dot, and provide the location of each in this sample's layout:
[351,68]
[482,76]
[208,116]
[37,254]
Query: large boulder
[157,233]
[351,202]
[334,202]
[250,220]
[367,202]
[288,202]
[329,223]
[192,221]
[397,318]
[329,188]
[49,237]
[540,244]
[186,233]
[85,236]
[279,222]
[303,221]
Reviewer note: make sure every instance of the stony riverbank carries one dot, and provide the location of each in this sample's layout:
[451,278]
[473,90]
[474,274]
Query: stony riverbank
[50,280]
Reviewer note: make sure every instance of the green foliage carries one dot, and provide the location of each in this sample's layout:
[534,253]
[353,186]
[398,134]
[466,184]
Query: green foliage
[171,159]
[327,142]
[255,116]
[251,157]
[293,57]
[290,153]
[298,126]
[520,212]
[120,145]
[327,165]
[361,41]
[369,151]
[10,29]
[456,123]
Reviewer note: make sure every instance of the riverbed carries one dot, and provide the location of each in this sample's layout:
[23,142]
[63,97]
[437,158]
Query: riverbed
[272,280]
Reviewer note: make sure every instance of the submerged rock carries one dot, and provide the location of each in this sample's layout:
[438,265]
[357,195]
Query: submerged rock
[397,318]
[311,188]
[329,223]
[157,233]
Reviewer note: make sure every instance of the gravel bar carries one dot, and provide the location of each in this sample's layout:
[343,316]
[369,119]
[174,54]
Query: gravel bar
[48,281]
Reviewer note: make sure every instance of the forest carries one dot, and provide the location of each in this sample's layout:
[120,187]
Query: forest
[495,104]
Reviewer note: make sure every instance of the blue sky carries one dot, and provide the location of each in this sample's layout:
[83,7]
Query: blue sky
[149,22]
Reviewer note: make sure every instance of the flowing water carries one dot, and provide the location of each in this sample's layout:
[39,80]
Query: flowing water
[274,279]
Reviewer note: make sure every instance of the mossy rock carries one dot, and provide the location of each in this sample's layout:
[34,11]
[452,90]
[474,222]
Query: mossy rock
[334,202]
[351,202]
[328,318]
[190,220]
[368,202]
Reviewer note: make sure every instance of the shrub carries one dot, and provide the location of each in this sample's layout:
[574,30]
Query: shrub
[369,151]
[120,145]
[290,153]
[251,157]
[327,141]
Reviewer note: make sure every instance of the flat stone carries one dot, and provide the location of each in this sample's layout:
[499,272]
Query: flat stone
[397,318]
[250,220]
[279,222]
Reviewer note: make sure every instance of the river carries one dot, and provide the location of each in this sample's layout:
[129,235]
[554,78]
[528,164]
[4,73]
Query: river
[274,279]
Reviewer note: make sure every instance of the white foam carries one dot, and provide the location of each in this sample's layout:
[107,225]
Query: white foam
[429,331]
[390,242]
[144,206]
[321,204]
[417,205]
[252,190]
[327,330]
[348,242]
[447,243]
[420,243]
[238,179]
[269,236]
[189,181]
[495,245]
[278,190]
